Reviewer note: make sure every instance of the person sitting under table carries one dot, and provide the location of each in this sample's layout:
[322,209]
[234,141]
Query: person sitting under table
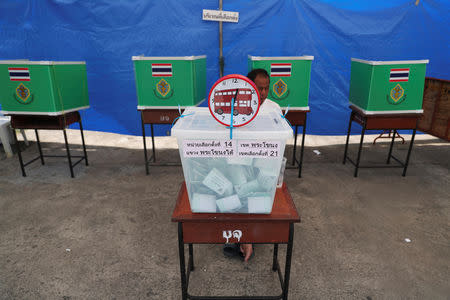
[262,81]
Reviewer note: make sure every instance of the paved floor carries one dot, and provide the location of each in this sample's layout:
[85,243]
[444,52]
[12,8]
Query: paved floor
[107,234]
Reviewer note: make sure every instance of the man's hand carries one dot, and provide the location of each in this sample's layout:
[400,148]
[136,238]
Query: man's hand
[247,249]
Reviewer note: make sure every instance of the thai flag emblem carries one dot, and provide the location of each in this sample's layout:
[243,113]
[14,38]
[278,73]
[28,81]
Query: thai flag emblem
[162,70]
[399,75]
[280,70]
[19,74]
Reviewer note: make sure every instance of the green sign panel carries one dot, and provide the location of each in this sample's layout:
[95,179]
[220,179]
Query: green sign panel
[289,79]
[166,82]
[42,87]
[380,87]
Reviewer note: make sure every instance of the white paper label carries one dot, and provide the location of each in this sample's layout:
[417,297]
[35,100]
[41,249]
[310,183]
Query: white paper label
[209,148]
[220,15]
[231,148]
[258,149]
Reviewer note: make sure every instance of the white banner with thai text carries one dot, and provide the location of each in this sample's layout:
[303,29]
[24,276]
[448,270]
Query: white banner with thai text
[220,15]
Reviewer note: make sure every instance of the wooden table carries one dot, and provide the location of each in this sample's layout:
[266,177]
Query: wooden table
[381,122]
[156,116]
[208,228]
[60,122]
[298,118]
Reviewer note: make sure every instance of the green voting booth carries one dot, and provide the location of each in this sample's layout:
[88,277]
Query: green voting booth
[289,79]
[169,82]
[49,88]
[381,87]
[44,95]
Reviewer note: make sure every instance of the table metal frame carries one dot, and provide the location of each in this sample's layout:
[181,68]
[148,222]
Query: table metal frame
[151,117]
[298,118]
[60,122]
[206,228]
[381,122]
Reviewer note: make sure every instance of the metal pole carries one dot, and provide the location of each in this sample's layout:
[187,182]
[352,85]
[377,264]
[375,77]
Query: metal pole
[84,145]
[409,151]
[145,144]
[300,164]
[68,153]
[287,267]
[295,145]
[348,136]
[390,148]
[221,59]
[360,148]
[184,287]
[39,147]
[19,153]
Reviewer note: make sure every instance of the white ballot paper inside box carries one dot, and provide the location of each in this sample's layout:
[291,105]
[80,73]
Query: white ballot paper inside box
[228,204]
[217,182]
[203,203]
[247,188]
[237,174]
[259,205]
[266,182]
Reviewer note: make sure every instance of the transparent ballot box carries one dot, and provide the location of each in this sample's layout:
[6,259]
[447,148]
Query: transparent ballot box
[237,175]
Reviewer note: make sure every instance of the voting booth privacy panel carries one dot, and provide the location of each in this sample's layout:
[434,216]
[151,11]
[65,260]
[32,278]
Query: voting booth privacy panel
[380,87]
[43,87]
[169,82]
[289,79]
[106,34]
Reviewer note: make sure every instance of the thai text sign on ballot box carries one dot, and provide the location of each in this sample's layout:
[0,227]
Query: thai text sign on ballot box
[237,175]
[230,148]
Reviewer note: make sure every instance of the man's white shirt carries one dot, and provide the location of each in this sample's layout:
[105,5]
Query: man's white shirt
[269,106]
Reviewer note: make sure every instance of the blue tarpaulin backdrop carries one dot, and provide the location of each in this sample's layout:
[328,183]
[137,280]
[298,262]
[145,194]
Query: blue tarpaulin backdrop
[106,34]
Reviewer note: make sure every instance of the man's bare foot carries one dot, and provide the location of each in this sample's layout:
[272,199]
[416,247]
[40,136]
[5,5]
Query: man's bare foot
[247,250]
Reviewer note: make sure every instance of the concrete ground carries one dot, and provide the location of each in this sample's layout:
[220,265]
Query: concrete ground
[107,233]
